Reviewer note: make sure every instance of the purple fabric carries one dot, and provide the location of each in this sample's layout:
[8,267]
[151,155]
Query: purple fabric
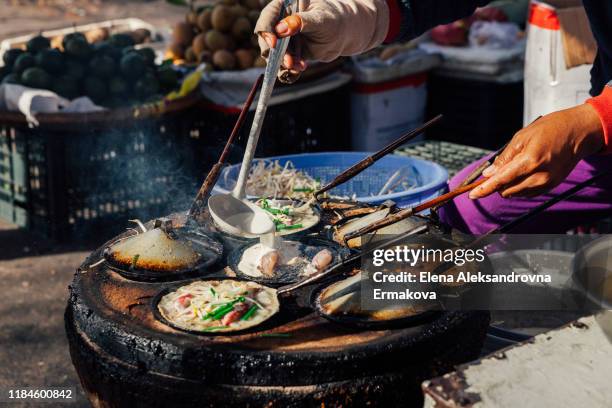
[589,205]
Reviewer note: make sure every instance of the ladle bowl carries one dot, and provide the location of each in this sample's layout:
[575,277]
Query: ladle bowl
[239,217]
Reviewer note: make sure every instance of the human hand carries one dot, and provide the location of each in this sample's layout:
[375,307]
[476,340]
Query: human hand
[327,29]
[540,156]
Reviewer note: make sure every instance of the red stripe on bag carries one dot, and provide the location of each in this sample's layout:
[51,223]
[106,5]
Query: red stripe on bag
[543,16]
[412,80]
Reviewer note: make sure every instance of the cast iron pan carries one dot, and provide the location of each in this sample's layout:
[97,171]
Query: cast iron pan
[285,313]
[309,247]
[210,249]
[364,322]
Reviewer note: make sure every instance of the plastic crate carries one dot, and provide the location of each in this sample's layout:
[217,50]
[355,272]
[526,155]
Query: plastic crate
[452,156]
[72,179]
[315,123]
[478,113]
[427,179]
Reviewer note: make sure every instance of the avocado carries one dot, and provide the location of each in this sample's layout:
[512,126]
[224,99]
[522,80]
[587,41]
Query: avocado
[51,60]
[148,54]
[11,78]
[117,86]
[168,77]
[146,87]
[106,48]
[37,44]
[132,65]
[36,77]
[94,88]
[78,48]
[74,69]
[10,56]
[121,40]
[72,36]
[23,62]
[102,66]
[66,86]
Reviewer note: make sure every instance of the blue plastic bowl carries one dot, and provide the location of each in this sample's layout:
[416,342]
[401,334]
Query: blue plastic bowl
[426,179]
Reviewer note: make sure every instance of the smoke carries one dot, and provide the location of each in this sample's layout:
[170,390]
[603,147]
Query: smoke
[143,172]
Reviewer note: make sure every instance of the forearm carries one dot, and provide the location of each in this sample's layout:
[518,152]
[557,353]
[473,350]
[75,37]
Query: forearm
[418,16]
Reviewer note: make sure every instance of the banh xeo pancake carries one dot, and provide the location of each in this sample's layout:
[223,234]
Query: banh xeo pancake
[219,305]
[344,298]
[154,250]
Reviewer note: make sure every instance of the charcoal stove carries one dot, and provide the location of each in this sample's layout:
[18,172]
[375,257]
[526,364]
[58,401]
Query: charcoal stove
[126,357]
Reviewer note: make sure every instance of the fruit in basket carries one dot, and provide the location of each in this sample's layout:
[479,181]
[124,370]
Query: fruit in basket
[36,77]
[51,60]
[199,44]
[204,22]
[121,40]
[222,17]
[78,48]
[227,25]
[148,54]
[66,86]
[216,40]
[224,60]
[141,35]
[105,48]
[183,33]
[253,4]
[74,69]
[23,62]
[190,55]
[253,16]
[72,36]
[117,86]
[132,65]
[10,56]
[95,88]
[97,35]
[241,30]
[244,58]
[110,72]
[37,44]
[102,66]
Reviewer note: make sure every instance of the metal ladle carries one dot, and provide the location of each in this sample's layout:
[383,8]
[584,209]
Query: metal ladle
[233,213]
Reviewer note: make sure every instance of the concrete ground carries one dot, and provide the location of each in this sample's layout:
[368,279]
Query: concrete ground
[34,279]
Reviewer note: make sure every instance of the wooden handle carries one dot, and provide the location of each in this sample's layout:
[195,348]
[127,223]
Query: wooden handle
[357,168]
[403,214]
[199,203]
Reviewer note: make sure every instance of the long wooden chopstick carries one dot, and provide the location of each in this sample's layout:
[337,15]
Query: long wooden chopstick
[405,213]
[357,168]
[199,203]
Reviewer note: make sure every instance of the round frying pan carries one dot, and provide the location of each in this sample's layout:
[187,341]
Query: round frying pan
[210,250]
[284,314]
[289,274]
